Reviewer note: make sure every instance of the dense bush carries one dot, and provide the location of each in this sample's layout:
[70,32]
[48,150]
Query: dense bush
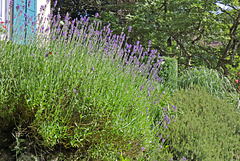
[207,128]
[169,72]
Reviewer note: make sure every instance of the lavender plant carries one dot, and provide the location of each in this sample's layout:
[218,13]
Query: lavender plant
[77,85]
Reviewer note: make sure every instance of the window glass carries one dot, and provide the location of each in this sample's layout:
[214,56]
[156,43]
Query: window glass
[1,9]
[6,9]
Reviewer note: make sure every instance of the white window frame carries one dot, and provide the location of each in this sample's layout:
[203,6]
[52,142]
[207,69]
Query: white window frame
[3,10]
[6,15]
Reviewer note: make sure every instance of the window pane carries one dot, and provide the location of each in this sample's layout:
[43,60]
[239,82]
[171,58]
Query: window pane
[6,9]
[1,9]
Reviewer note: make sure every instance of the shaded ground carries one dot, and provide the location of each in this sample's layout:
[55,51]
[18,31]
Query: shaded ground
[6,139]
[28,151]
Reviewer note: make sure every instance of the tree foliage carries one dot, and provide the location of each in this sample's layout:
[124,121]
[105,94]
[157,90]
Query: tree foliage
[112,12]
[78,8]
[194,31]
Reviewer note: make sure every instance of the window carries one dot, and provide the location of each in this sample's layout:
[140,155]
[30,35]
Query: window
[2,16]
[5,16]
[1,11]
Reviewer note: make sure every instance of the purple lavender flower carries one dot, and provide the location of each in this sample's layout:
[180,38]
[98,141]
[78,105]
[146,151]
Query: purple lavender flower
[96,15]
[161,59]
[147,109]
[41,8]
[174,107]
[47,29]
[130,29]
[17,7]
[184,158]
[29,3]
[55,3]
[163,140]
[11,3]
[142,149]
[141,88]
[150,42]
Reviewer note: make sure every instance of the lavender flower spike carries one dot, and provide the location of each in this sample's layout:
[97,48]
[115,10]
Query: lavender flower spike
[130,29]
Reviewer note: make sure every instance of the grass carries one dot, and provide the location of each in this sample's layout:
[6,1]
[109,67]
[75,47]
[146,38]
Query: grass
[212,81]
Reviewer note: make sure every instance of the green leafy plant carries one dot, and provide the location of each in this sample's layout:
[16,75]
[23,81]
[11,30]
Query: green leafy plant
[237,82]
[169,72]
[2,27]
[207,128]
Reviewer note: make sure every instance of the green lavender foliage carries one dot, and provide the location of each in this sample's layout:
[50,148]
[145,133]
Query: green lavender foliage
[169,72]
[207,128]
[79,96]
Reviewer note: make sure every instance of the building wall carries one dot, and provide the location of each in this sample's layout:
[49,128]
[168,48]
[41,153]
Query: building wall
[42,20]
[46,11]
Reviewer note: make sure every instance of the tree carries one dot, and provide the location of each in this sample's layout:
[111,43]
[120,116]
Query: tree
[230,18]
[78,8]
[111,11]
[196,32]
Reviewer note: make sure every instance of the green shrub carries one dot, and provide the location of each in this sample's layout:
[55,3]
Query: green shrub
[169,72]
[207,128]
